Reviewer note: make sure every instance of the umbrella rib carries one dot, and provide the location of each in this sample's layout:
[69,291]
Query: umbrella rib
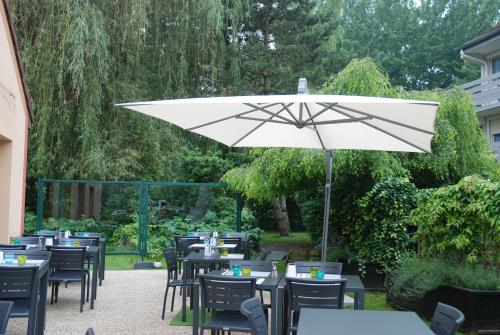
[315,129]
[262,109]
[265,120]
[386,120]
[255,108]
[319,123]
[289,112]
[385,132]
[256,127]
[320,112]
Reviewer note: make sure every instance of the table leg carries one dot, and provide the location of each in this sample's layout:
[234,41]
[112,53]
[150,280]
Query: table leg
[33,316]
[102,265]
[280,317]
[185,270]
[196,307]
[40,328]
[274,310]
[359,300]
[95,270]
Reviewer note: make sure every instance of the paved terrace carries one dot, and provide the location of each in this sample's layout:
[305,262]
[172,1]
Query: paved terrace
[128,302]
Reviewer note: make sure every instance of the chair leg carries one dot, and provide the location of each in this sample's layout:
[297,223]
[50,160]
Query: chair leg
[82,293]
[261,297]
[57,291]
[164,303]
[173,297]
[52,294]
[88,286]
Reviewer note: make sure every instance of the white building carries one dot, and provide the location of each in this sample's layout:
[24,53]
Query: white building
[485,51]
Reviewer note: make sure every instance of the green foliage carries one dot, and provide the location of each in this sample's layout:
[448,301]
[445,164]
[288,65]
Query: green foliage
[415,277]
[71,225]
[379,235]
[459,147]
[30,222]
[461,222]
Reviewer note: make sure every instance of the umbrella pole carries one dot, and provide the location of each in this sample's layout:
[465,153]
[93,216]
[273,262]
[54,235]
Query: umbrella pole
[326,214]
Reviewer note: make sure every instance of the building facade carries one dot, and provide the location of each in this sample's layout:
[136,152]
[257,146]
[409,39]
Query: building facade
[484,50]
[15,120]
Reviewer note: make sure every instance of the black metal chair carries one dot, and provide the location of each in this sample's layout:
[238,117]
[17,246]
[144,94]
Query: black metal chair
[332,268]
[5,310]
[19,286]
[446,320]
[261,266]
[235,240]
[13,246]
[68,265]
[253,310]
[182,244]
[224,296]
[172,278]
[312,293]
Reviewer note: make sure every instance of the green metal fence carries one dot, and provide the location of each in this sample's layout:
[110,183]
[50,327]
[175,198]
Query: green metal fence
[125,211]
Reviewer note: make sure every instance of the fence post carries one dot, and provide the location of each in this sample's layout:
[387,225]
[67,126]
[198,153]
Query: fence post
[40,203]
[239,208]
[143,219]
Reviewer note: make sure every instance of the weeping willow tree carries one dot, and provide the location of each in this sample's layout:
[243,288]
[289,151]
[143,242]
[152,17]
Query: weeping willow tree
[83,56]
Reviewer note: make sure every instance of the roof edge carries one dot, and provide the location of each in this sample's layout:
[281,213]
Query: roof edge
[19,64]
[494,31]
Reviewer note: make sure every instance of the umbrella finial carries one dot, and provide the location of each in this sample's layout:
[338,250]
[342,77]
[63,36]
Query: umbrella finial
[302,88]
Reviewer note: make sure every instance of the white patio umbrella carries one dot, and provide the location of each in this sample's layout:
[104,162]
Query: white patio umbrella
[324,122]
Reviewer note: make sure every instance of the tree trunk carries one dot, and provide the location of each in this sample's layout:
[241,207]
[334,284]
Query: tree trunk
[279,207]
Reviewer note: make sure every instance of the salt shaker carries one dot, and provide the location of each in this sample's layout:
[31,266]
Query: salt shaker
[274,274]
[40,242]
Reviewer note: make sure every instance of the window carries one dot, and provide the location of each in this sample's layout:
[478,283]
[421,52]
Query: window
[496,138]
[495,65]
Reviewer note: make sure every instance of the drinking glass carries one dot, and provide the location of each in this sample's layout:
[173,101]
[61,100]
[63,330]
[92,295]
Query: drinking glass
[225,252]
[21,259]
[246,271]
[236,269]
[9,257]
[320,274]
[313,270]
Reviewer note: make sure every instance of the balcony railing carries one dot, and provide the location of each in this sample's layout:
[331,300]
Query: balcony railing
[485,92]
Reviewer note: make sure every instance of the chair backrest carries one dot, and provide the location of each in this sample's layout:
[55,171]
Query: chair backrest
[51,233]
[312,293]
[183,244]
[5,309]
[332,268]
[263,266]
[225,293]
[170,258]
[242,236]
[446,320]
[204,234]
[252,309]
[28,239]
[84,242]
[17,282]
[67,258]
[233,240]
[12,246]
[87,234]
[94,239]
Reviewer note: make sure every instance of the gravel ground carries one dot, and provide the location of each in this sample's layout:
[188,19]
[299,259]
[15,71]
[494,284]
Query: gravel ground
[128,302]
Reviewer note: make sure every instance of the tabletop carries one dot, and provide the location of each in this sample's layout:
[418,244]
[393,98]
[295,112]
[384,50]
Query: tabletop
[349,322]
[202,245]
[267,283]
[200,257]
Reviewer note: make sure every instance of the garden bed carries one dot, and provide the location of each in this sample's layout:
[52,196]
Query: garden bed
[480,307]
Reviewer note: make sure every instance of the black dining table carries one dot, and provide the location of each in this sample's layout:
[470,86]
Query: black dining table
[267,284]
[349,322]
[37,313]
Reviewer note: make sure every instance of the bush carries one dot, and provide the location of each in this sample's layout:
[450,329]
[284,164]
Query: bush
[415,277]
[379,235]
[461,222]
[29,222]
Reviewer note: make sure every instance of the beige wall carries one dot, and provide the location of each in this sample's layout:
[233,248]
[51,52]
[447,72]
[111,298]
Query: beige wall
[13,135]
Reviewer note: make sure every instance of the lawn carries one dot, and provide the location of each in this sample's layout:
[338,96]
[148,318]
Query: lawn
[272,237]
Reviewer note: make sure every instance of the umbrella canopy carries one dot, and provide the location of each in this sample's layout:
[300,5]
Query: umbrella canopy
[304,121]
